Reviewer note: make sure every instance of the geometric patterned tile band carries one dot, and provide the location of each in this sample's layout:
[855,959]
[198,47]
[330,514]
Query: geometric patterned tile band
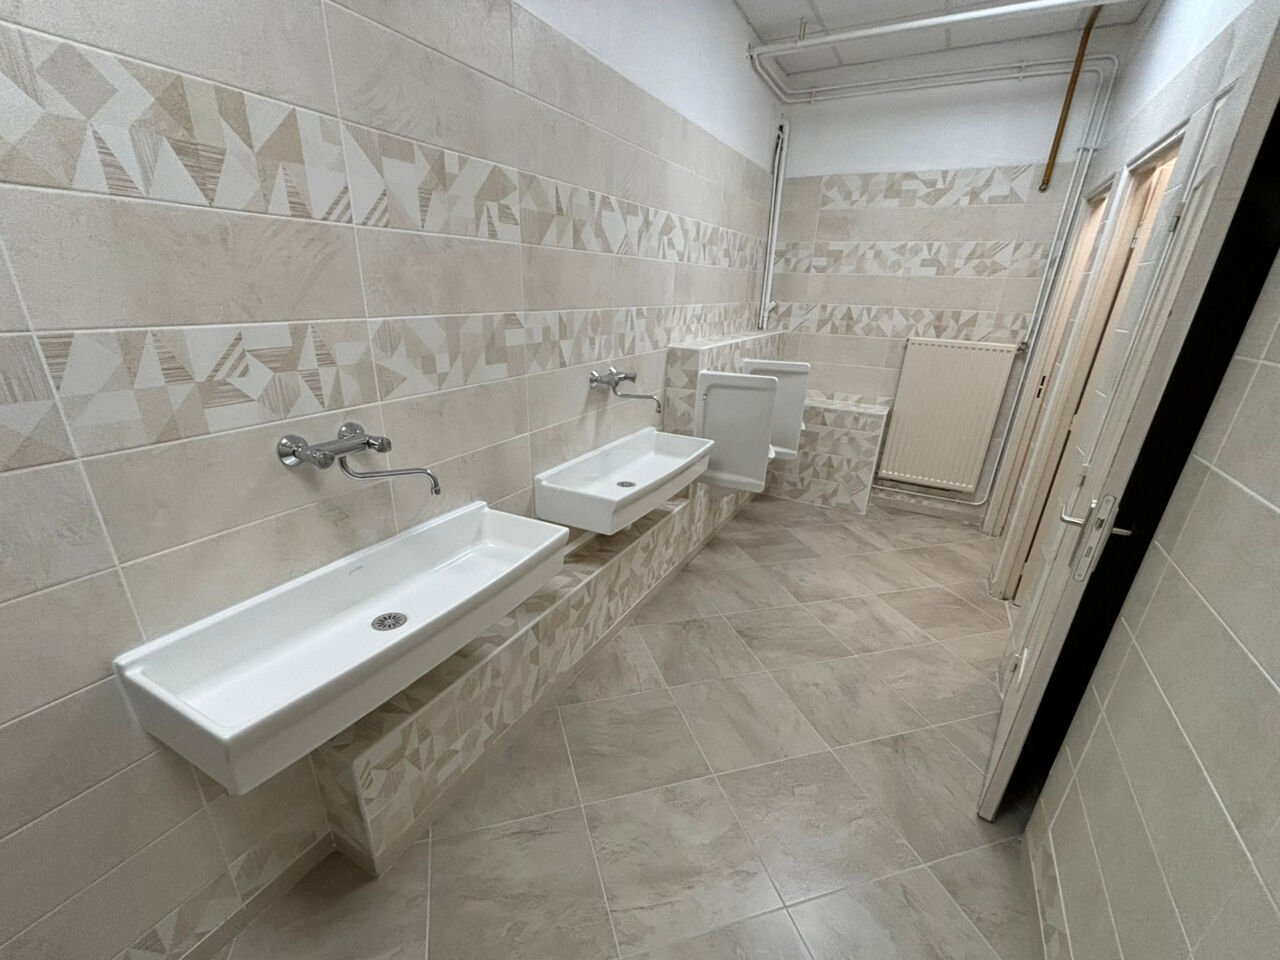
[83,119]
[127,388]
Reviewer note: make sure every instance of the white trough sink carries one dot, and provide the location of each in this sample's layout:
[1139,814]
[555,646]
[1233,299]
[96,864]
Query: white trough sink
[246,692]
[617,484]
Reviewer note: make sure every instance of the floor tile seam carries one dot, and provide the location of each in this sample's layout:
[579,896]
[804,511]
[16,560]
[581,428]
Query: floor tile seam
[734,813]
[591,843]
[499,824]
[995,954]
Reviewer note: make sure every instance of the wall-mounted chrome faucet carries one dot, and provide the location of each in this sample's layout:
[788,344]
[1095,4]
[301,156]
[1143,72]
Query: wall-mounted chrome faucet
[294,450]
[613,379]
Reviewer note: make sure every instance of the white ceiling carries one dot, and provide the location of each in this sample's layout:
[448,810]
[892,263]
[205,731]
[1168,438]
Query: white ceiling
[780,20]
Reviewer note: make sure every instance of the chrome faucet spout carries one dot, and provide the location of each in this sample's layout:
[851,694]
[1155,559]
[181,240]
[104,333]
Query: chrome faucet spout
[614,379]
[294,450]
[379,474]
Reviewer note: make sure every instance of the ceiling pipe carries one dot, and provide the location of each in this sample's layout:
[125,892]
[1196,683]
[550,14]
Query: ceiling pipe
[1066,103]
[763,55]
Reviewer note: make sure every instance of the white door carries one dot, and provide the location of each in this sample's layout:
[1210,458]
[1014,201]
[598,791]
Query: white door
[1081,509]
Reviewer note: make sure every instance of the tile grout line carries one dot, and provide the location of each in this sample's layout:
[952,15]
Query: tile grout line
[582,809]
[355,242]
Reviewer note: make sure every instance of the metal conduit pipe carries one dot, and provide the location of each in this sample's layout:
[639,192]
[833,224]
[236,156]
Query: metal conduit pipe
[779,172]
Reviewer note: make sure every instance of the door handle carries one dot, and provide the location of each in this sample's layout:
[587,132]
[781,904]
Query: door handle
[1082,521]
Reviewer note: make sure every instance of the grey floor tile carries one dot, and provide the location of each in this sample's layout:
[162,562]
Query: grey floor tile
[746,588]
[885,571]
[973,737]
[812,827]
[841,539]
[682,599]
[955,562]
[786,636]
[993,886]
[977,593]
[745,720]
[769,936]
[706,649]
[905,530]
[675,864]
[719,553]
[621,666]
[936,682]
[773,546]
[822,579]
[929,790]
[521,891]
[904,917]
[786,513]
[629,743]
[940,613]
[846,703]
[532,776]
[982,651]
[337,912]
[867,624]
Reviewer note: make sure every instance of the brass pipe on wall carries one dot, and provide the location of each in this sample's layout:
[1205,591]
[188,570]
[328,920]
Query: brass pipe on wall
[1066,103]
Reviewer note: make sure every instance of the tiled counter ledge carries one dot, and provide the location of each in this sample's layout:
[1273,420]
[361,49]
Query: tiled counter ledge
[685,359]
[386,777]
[839,448]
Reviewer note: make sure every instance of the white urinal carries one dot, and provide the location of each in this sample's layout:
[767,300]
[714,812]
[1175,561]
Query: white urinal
[736,411]
[788,408]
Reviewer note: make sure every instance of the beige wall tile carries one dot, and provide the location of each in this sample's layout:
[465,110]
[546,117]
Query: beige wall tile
[49,860]
[58,752]
[144,264]
[797,225]
[554,144]
[563,394]
[128,388]
[244,821]
[1193,838]
[394,84]
[565,279]
[12,315]
[553,68]
[641,283]
[493,474]
[280,44]
[1230,549]
[1145,918]
[1227,706]
[572,438]
[146,495]
[32,430]
[180,586]
[439,426]
[476,32]
[60,640]
[1083,897]
[646,121]
[1250,453]
[117,908]
[409,274]
[51,531]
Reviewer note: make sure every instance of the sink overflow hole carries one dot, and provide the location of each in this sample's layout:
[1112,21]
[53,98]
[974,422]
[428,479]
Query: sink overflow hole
[388,621]
[626,483]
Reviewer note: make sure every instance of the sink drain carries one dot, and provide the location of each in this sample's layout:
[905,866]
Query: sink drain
[626,483]
[388,621]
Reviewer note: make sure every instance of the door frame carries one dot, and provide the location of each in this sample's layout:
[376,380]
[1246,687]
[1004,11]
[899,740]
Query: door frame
[1135,205]
[1181,278]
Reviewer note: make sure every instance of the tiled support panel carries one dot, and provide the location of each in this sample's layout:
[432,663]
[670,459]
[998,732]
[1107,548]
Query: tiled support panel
[724,352]
[839,447]
[381,778]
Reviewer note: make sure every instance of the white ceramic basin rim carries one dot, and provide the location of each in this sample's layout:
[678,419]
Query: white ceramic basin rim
[612,486]
[247,691]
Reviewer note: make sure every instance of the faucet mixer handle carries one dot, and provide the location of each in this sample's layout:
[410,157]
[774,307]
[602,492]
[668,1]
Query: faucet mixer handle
[621,377]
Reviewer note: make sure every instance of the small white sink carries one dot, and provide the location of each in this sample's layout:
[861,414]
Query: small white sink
[617,484]
[246,692]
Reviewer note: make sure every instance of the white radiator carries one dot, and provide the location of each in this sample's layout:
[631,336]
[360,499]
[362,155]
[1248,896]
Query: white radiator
[948,399]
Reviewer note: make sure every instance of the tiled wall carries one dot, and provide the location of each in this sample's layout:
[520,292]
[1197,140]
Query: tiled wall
[866,260]
[1158,832]
[226,221]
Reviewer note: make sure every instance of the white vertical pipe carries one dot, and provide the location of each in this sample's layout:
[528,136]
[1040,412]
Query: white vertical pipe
[775,210]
